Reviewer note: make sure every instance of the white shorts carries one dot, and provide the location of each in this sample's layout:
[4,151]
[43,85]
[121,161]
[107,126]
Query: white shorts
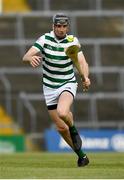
[51,95]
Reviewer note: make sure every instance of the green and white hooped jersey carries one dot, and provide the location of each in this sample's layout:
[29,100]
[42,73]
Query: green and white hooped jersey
[57,67]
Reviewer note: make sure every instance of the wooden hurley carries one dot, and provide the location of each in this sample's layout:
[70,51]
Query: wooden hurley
[72,52]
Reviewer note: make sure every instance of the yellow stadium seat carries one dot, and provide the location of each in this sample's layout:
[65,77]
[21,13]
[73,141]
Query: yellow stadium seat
[15,6]
[2,112]
[8,125]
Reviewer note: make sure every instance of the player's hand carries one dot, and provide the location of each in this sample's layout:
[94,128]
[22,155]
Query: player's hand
[86,83]
[35,61]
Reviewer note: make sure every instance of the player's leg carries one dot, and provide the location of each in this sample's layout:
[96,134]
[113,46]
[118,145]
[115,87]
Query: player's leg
[61,126]
[65,128]
[51,96]
[63,110]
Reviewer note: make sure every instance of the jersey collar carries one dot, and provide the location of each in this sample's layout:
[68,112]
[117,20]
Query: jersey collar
[57,40]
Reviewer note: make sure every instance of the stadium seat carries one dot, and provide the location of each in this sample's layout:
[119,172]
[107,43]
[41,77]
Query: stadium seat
[109,82]
[15,6]
[10,61]
[43,120]
[36,5]
[74,4]
[42,25]
[110,109]
[88,51]
[113,4]
[25,82]
[7,27]
[81,111]
[111,55]
[7,124]
[100,27]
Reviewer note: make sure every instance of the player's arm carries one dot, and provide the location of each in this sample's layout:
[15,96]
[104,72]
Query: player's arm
[32,56]
[83,70]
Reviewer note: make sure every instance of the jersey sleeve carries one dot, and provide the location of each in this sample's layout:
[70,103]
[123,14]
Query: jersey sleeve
[39,44]
[73,41]
[78,43]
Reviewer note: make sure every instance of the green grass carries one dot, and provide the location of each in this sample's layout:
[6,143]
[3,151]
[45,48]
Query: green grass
[60,166]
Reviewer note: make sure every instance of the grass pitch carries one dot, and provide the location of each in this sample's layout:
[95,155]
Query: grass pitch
[61,166]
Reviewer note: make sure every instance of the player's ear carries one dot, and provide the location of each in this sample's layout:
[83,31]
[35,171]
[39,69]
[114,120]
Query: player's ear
[68,28]
[53,27]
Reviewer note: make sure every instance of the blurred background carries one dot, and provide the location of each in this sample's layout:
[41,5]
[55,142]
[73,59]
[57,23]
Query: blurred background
[99,113]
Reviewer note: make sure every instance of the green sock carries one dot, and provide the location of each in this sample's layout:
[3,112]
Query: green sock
[74,131]
[80,153]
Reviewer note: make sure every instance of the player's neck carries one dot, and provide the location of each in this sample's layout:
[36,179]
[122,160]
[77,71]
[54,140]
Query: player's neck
[59,38]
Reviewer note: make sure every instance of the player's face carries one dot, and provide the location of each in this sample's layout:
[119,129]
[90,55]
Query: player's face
[60,30]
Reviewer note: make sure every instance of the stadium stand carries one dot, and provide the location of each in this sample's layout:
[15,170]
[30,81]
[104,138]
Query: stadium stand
[79,5]
[42,24]
[7,27]
[110,4]
[35,6]
[6,60]
[105,27]
[112,55]
[101,34]
[76,5]
[7,124]
[15,6]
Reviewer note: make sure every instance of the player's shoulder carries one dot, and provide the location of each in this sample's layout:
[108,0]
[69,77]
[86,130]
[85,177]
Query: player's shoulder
[49,34]
[41,38]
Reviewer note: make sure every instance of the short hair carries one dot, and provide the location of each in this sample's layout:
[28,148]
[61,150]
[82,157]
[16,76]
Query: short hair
[60,18]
